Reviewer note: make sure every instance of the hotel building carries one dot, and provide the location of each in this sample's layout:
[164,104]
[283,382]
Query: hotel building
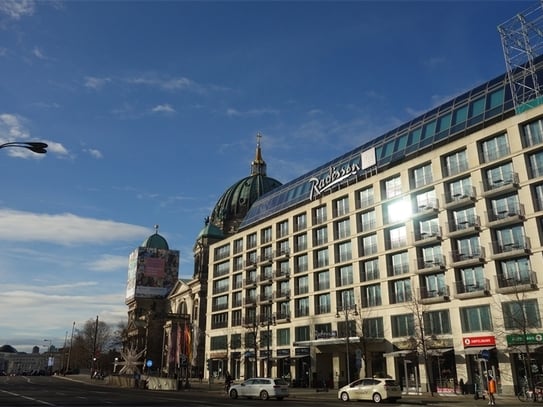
[416,255]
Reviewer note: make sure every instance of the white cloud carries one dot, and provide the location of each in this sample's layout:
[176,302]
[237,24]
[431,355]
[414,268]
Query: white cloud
[16,9]
[11,127]
[108,262]
[171,84]
[251,112]
[94,153]
[63,229]
[165,108]
[93,82]
[38,53]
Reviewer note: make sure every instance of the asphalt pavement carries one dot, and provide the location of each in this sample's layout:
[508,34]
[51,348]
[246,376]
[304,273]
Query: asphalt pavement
[332,394]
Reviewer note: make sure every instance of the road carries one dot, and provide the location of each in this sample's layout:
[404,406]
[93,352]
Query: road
[16,391]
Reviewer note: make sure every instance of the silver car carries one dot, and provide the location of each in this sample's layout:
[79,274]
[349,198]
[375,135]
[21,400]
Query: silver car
[260,387]
[375,389]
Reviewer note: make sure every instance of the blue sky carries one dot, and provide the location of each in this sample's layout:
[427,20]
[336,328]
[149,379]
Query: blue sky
[151,110]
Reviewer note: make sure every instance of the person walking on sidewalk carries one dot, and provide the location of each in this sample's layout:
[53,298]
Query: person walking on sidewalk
[491,390]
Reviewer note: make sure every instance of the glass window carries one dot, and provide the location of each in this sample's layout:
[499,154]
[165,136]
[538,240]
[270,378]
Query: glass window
[398,210]
[238,246]
[321,258]
[373,328]
[302,307]
[399,264]
[370,270]
[369,245]
[343,228]
[393,187]
[464,218]
[455,163]
[403,325]
[283,248]
[401,291]
[345,275]
[367,221]
[222,252]
[218,342]
[499,176]
[320,236]
[319,215]
[301,333]
[437,322]
[426,200]
[504,207]
[283,337]
[302,285]
[459,189]
[521,315]
[266,235]
[322,304]
[535,164]
[344,252]
[371,295]
[322,280]
[422,175]
[251,241]
[300,222]
[341,206]
[397,237]
[477,107]
[476,319]
[473,279]
[345,299]
[514,272]
[432,255]
[434,285]
[300,242]
[301,264]
[460,115]
[468,247]
[282,229]
[495,148]
[366,197]
[510,238]
[532,133]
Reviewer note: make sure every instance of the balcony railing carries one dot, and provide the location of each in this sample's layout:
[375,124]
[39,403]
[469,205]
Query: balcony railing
[525,280]
[506,215]
[478,288]
[500,184]
[434,295]
[515,248]
[460,196]
[472,255]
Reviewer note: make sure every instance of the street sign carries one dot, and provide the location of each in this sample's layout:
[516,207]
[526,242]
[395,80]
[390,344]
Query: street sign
[485,354]
[149,363]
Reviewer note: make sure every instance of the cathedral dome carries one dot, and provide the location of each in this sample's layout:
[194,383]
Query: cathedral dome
[236,201]
[155,241]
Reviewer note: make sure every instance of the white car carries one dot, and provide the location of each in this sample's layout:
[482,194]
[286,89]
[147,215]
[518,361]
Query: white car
[260,387]
[376,389]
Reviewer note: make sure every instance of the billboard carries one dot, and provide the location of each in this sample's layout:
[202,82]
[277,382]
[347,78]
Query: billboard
[152,273]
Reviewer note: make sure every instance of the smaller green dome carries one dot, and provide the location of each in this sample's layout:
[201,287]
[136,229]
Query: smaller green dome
[155,241]
[210,231]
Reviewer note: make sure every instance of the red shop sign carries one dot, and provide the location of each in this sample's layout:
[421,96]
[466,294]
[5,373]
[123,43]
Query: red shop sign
[479,341]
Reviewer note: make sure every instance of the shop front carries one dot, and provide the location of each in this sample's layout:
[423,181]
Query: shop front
[482,360]
[526,355]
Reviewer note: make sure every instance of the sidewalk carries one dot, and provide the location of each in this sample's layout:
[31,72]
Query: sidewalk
[217,387]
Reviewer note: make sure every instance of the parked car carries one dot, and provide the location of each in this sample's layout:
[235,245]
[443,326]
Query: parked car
[260,387]
[375,389]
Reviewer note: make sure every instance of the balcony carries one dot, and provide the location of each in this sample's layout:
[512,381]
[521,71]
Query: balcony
[265,278]
[249,302]
[506,183]
[472,290]
[427,236]
[459,198]
[430,265]
[281,295]
[517,248]
[249,264]
[506,216]
[282,317]
[523,281]
[249,282]
[265,298]
[466,258]
[281,275]
[464,226]
[434,295]
[265,259]
[424,208]
[281,254]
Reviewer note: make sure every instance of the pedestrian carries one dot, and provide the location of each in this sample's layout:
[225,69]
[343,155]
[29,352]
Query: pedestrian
[491,390]
[462,386]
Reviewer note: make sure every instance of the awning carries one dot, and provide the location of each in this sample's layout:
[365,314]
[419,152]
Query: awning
[522,349]
[398,353]
[280,357]
[438,352]
[327,342]
[299,356]
[475,350]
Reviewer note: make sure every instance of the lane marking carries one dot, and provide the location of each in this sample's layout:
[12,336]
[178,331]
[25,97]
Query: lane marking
[27,398]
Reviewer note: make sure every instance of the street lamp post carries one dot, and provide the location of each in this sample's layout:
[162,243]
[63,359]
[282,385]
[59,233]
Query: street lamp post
[35,146]
[270,320]
[347,309]
[49,356]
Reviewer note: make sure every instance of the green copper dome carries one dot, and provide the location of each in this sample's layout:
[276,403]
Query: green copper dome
[234,204]
[155,241]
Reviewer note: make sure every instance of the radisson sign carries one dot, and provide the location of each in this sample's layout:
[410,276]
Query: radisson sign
[337,174]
